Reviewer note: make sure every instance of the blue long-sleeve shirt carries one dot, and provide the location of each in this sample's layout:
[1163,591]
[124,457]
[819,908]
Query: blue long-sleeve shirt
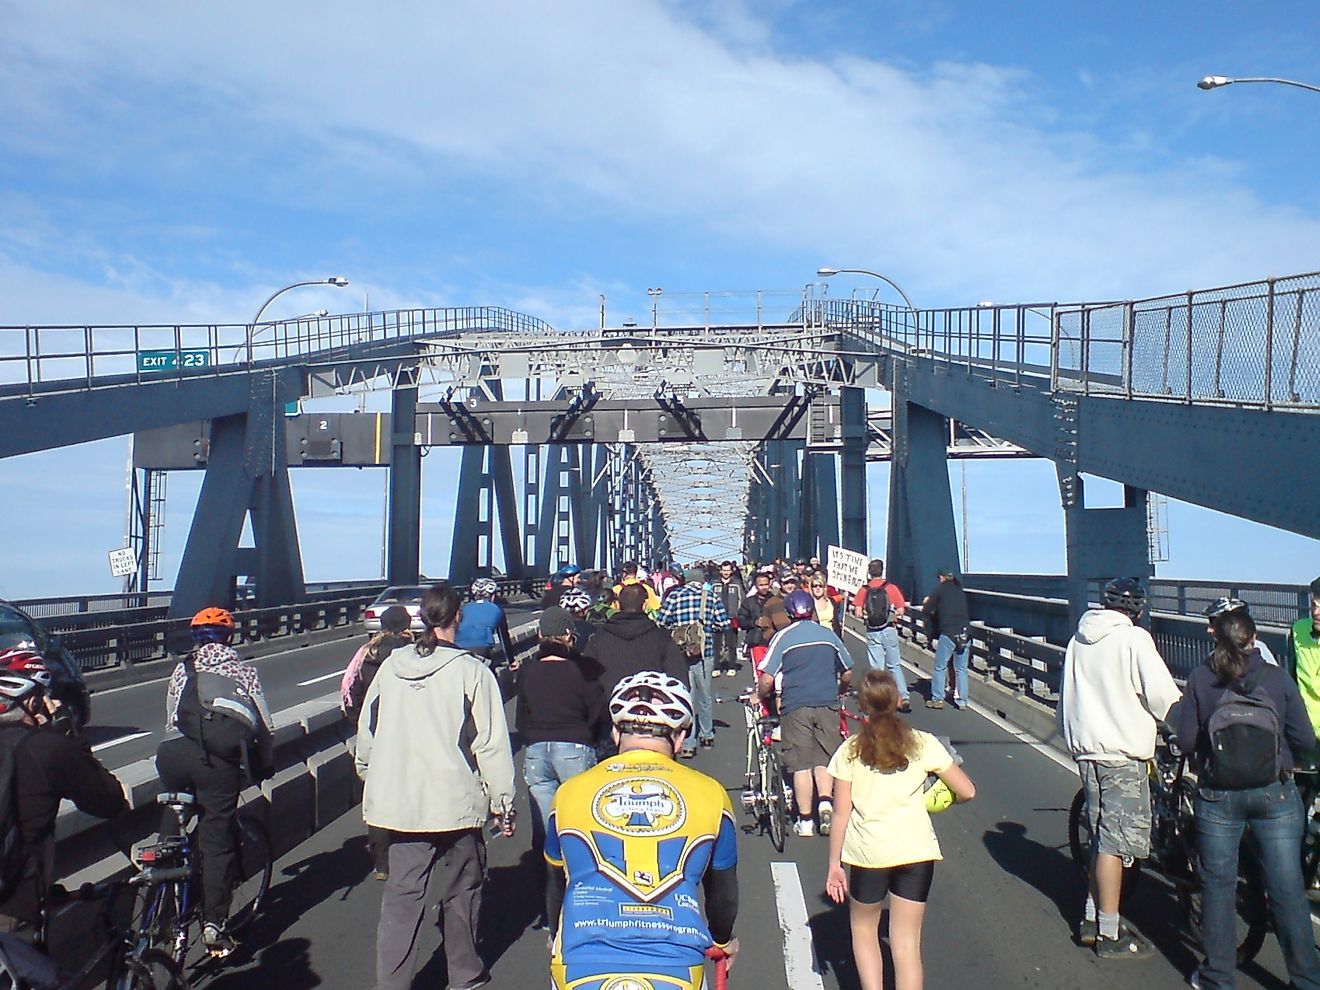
[1203,692]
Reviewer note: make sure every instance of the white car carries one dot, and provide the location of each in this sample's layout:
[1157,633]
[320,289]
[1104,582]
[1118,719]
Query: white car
[409,596]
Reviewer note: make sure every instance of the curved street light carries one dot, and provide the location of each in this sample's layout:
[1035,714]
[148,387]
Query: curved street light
[338,281]
[831,272]
[1215,82]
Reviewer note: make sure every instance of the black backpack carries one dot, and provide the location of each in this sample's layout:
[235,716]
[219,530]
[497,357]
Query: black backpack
[1245,739]
[217,713]
[879,609]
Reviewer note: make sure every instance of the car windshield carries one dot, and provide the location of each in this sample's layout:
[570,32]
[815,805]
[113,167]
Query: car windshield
[400,596]
[15,630]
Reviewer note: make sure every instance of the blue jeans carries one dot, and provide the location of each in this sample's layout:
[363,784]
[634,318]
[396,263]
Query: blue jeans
[1275,816]
[546,765]
[943,651]
[703,702]
[882,652]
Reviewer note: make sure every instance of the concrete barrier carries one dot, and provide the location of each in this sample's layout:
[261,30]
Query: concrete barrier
[314,783]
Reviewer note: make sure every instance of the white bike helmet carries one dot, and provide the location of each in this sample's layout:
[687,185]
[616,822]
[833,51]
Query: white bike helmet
[1220,606]
[575,600]
[651,702]
[484,588]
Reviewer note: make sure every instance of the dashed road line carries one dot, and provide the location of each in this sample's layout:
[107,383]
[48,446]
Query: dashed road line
[799,959]
[122,739]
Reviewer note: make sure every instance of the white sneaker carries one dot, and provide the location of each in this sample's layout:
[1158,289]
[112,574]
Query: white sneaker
[826,815]
[805,827]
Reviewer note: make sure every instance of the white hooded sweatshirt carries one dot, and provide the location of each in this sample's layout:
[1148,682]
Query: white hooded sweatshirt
[1114,687]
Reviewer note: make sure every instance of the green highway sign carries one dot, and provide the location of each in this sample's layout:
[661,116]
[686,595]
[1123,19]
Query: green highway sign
[172,360]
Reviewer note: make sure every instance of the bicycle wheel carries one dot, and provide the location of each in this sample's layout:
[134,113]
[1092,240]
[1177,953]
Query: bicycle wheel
[772,789]
[1252,907]
[1080,838]
[150,970]
[254,871]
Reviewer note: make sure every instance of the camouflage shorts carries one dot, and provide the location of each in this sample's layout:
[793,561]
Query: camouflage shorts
[1118,806]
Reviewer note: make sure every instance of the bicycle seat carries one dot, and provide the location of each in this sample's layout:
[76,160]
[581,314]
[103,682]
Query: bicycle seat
[176,797]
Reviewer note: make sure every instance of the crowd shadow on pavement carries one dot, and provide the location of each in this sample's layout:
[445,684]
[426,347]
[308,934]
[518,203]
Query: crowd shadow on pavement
[1149,903]
[264,957]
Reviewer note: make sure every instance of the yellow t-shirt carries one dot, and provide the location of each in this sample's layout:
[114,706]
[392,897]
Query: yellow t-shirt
[889,825]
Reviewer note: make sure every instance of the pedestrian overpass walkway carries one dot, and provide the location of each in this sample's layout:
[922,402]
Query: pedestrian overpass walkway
[1001,914]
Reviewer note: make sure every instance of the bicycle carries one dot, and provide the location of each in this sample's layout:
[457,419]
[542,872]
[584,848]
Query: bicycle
[1173,854]
[133,962]
[173,908]
[766,792]
[721,960]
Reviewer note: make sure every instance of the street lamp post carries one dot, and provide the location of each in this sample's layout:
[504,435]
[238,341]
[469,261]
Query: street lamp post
[338,281]
[1216,82]
[830,272]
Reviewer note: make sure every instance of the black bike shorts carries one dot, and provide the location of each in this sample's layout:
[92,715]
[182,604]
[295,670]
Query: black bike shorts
[911,882]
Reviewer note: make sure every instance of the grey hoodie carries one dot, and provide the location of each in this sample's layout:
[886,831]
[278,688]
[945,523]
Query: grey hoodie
[432,743]
[1113,688]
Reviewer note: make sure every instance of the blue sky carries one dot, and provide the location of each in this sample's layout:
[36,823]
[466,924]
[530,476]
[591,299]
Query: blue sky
[174,163]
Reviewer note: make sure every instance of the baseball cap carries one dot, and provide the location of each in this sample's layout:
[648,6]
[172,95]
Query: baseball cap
[947,572]
[395,619]
[555,621]
[694,575]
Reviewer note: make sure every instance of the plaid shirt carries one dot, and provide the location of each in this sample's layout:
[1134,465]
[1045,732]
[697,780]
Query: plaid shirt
[683,605]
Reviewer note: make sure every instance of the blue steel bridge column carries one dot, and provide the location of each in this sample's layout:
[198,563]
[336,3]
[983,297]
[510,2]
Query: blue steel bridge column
[820,505]
[1102,543]
[853,468]
[403,563]
[246,472]
[922,538]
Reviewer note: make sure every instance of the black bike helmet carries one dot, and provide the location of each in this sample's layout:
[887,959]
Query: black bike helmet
[1126,595]
[1222,606]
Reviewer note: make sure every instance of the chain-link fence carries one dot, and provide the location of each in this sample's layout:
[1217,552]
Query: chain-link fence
[1257,343]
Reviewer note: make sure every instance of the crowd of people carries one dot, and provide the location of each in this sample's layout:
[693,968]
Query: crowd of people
[616,699]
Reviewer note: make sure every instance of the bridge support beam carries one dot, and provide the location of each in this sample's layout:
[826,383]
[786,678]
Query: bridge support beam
[1102,543]
[246,475]
[853,468]
[922,538]
[403,563]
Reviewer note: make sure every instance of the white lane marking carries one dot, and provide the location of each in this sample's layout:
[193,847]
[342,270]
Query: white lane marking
[115,742]
[799,959]
[323,677]
[1044,749]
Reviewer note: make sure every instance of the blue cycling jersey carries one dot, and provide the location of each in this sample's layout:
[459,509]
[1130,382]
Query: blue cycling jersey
[476,630]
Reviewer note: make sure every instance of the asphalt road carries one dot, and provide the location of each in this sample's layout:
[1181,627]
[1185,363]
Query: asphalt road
[128,722]
[1001,913]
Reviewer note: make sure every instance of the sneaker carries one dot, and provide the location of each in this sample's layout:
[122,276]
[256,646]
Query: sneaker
[826,815]
[381,874]
[717,673]
[708,743]
[1194,978]
[905,706]
[934,703]
[687,754]
[804,828]
[480,981]
[217,941]
[959,704]
[1128,945]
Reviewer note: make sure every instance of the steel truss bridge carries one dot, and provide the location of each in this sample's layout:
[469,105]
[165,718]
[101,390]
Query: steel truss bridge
[726,435]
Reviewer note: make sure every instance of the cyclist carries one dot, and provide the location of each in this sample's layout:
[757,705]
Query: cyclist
[484,628]
[1247,783]
[50,766]
[209,754]
[1221,606]
[1303,655]
[566,577]
[1114,690]
[632,845]
[577,603]
[816,667]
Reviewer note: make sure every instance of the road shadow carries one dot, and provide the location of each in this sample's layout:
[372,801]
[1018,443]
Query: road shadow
[295,889]
[512,901]
[831,937]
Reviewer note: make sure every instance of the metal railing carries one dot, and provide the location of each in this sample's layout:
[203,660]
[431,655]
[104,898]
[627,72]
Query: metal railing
[40,359]
[1256,344]
[1252,344]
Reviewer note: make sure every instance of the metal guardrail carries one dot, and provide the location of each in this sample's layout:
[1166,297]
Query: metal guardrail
[37,359]
[153,637]
[1253,344]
